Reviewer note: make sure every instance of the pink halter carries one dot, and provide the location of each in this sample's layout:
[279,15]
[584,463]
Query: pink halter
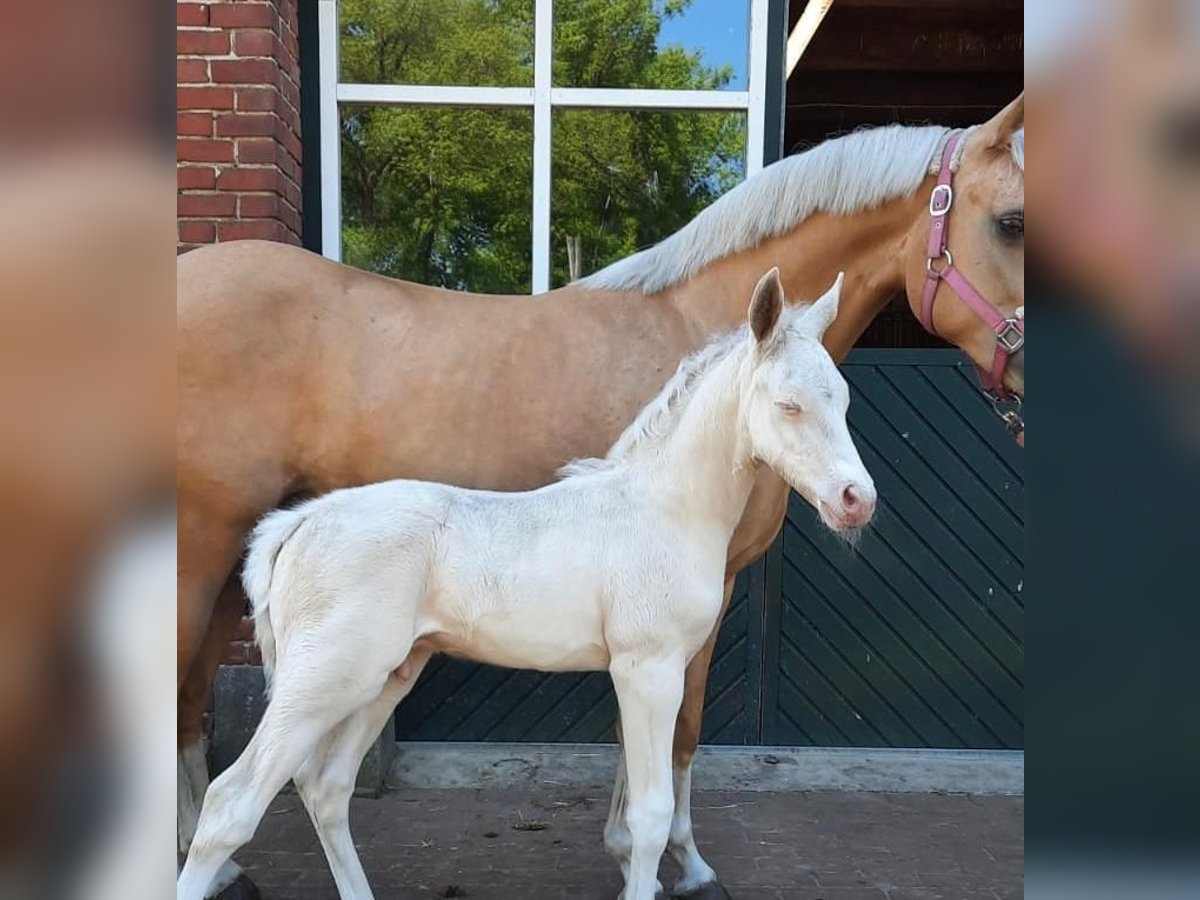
[1010,330]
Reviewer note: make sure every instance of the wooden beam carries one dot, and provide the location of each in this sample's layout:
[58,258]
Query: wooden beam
[802,32]
[911,47]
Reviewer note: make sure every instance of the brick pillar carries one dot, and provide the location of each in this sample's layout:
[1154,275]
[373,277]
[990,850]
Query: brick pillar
[238,121]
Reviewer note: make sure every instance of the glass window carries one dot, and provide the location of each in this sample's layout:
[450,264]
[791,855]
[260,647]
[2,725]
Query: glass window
[673,44]
[436,42]
[507,146]
[625,179]
[439,195]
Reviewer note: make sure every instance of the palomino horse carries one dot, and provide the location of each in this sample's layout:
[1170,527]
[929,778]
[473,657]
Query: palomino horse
[298,375]
[617,567]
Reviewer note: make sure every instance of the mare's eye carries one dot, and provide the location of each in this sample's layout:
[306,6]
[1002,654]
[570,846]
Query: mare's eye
[789,408]
[1011,226]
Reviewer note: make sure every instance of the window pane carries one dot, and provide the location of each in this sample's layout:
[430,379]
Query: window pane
[457,42]
[439,195]
[674,44]
[625,179]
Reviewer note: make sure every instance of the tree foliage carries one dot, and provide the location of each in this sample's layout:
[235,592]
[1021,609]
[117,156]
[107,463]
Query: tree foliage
[443,195]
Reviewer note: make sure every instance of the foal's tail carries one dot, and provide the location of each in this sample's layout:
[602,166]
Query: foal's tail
[268,538]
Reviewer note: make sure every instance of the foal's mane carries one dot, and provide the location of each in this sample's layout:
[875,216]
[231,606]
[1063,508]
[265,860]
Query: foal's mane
[843,176]
[660,415]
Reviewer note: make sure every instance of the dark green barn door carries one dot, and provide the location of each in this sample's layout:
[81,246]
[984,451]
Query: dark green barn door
[912,638]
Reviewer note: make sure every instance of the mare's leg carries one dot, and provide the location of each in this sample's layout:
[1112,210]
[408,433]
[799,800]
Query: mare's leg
[649,692]
[209,607]
[698,881]
[326,780]
[206,587]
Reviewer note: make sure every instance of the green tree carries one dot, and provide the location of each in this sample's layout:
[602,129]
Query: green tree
[443,195]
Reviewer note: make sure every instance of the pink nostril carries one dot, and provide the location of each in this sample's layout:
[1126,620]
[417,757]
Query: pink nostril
[850,497]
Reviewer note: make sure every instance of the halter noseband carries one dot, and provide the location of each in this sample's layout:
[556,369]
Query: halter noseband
[939,267]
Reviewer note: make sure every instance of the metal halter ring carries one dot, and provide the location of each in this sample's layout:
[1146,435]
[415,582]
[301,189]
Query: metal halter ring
[1010,336]
[1010,410]
[946,257]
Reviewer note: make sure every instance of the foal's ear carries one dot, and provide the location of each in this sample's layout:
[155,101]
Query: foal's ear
[999,129]
[766,306]
[819,316]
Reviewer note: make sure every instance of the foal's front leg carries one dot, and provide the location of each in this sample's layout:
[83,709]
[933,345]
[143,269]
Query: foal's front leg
[649,691]
[698,881]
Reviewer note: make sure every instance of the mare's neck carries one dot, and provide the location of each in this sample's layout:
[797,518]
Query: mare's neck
[868,247]
[701,468]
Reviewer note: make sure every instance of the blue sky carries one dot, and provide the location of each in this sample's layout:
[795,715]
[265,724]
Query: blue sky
[718,27]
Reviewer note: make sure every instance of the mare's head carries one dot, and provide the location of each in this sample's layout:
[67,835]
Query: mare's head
[795,408]
[984,219]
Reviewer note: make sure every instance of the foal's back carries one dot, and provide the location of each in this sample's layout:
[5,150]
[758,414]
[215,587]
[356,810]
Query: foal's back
[535,579]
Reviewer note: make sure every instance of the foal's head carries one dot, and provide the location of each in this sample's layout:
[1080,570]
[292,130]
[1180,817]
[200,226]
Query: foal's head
[795,408]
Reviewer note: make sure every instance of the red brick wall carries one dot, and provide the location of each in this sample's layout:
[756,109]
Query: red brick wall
[237,121]
[237,138]
[242,650]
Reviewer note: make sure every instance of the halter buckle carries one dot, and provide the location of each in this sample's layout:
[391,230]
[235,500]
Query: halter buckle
[941,200]
[1010,337]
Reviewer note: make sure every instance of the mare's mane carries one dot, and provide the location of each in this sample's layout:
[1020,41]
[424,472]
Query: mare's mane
[847,175]
[661,414]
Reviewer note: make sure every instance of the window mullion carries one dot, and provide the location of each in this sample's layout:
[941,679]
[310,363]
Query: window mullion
[331,150]
[756,113]
[650,98]
[433,95]
[542,63]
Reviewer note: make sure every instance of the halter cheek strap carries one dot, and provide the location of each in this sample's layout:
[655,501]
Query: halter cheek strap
[939,267]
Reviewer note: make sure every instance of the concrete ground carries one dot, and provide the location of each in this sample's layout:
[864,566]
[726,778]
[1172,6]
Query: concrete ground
[507,844]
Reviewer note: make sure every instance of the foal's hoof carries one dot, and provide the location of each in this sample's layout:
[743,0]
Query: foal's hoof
[710,890]
[241,888]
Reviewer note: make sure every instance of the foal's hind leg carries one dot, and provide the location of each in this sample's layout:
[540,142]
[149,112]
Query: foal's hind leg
[301,711]
[326,780]
[649,692]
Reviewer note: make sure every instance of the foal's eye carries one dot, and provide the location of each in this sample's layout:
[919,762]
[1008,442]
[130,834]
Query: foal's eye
[1011,226]
[788,408]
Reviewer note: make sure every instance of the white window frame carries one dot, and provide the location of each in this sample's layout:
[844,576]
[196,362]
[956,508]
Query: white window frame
[542,98]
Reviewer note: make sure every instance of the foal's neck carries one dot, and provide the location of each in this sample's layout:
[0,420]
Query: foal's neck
[868,246]
[701,469]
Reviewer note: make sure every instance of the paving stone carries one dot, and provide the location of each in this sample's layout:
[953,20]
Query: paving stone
[491,844]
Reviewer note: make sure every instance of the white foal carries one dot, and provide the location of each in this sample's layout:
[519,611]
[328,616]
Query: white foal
[618,566]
